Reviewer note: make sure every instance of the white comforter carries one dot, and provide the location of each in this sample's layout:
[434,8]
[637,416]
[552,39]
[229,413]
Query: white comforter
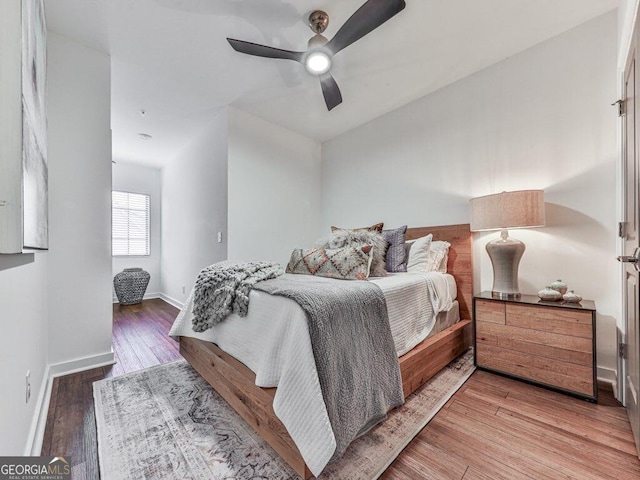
[273,341]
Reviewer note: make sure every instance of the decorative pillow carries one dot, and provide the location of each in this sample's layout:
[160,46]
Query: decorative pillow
[407,247]
[373,228]
[395,258]
[438,256]
[419,254]
[357,238]
[348,263]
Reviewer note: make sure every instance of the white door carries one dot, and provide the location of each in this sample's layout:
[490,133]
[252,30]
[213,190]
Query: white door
[630,255]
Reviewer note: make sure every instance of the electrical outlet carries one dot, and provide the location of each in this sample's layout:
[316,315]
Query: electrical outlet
[219,237]
[28,387]
[183,290]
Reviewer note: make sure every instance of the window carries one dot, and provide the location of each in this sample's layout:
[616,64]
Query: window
[130,223]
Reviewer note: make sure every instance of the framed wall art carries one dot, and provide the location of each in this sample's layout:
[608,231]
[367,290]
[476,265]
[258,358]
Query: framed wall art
[34,126]
[24,209]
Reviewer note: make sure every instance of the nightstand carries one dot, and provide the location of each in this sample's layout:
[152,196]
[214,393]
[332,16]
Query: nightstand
[551,344]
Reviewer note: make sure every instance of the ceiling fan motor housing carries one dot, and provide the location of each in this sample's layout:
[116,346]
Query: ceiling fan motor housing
[318,21]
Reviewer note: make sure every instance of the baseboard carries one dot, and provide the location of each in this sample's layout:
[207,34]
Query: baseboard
[147,296]
[162,296]
[608,375]
[171,301]
[39,422]
[82,364]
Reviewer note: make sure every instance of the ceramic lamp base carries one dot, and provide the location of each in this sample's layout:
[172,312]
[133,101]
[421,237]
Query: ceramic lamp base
[505,254]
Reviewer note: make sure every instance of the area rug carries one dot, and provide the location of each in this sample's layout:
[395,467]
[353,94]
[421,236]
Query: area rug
[166,422]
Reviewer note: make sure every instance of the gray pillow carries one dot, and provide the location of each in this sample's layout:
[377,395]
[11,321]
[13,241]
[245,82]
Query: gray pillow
[358,238]
[396,258]
[407,249]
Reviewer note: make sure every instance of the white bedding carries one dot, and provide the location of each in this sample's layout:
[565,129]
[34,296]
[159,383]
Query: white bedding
[273,341]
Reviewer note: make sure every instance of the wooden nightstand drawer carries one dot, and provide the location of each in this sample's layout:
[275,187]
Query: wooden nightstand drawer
[576,350]
[541,342]
[565,322]
[489,311]
[537,337]
[547,370]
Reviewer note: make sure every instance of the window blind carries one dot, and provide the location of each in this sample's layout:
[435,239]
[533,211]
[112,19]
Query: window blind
[129,223]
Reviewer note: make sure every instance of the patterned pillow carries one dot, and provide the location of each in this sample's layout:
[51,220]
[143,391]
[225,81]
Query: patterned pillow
[395,258]
[373,228]
[358,238]
[348,263]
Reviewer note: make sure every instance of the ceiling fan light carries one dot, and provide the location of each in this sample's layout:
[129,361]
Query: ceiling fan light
[317,63]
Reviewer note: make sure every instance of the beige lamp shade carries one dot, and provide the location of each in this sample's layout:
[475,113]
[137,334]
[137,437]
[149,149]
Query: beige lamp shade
[520,209]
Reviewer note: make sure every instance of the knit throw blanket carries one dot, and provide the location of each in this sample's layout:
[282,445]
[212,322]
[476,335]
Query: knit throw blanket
[353,348]
[223,288]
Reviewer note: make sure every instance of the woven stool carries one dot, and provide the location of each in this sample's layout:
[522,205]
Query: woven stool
[130,285]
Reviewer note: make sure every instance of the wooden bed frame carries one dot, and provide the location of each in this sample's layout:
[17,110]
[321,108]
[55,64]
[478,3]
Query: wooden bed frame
[236,383]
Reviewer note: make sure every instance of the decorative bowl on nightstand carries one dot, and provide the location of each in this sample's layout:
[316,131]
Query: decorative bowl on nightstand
[560,286]
[549,294]
[572,297]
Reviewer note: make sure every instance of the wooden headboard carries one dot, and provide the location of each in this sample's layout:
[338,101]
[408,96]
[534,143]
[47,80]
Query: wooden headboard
[460,263]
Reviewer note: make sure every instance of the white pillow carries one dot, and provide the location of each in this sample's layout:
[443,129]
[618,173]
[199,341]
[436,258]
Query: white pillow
[419,254]
[438,256]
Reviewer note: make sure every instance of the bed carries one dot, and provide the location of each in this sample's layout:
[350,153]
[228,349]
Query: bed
[236,382]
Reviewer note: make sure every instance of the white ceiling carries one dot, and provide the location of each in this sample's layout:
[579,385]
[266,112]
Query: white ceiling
[170,57]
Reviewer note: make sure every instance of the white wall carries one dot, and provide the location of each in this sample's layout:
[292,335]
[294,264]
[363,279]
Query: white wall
[80,308]
[128,177]
[23,278]
[626,19]
[194,208]
[274,189]
[23,296]
[56,305]
[540,119]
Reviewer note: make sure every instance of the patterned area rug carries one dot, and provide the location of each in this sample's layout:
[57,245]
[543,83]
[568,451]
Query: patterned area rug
[166,422]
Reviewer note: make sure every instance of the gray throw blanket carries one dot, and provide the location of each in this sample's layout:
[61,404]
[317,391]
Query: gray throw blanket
[353,348]
[223,288]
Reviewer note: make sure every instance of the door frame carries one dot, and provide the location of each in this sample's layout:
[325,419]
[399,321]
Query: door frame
[628,42]
[629,180]
[621,373]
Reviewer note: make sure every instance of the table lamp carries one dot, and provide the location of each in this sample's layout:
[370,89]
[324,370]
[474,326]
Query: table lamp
[521,209]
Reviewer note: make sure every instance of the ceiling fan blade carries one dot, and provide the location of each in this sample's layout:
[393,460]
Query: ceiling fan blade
[366,19]
[330,90]
[263,51]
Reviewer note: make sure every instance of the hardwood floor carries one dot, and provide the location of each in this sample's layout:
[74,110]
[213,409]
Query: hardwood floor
[140,340]
[498,428]
[493,427]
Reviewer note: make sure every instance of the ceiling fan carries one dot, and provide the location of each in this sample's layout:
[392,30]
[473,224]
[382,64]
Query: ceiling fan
[320,51]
